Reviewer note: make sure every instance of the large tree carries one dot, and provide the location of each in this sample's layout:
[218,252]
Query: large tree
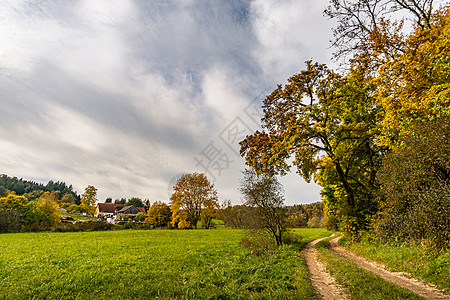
[328,124]
[193,195]
[414,85]
[373,27]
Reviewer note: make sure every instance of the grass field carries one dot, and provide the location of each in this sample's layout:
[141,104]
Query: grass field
[194,264]
[77,216]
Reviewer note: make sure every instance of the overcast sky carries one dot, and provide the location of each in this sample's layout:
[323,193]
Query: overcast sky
[126,95]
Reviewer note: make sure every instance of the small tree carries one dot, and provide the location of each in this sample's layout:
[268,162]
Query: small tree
[193,194]
[140,216]
[13,202]
[158,214]
[68,198]
[207,215]
[137,202]
[45,211]
[120,201]
[89,198]
[266,195]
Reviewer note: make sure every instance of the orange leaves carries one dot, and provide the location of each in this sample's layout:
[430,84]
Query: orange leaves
[158,215]
[193,194]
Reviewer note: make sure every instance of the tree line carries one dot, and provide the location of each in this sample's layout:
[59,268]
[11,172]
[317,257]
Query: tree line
[33,190]
[375,135]
[193,202]
[296,216]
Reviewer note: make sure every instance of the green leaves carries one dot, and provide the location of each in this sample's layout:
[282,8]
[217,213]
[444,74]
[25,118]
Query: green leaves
[321,116]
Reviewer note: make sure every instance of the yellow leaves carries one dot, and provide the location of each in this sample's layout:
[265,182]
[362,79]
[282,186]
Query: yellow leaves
[180,219]
[184,223]
[414,86]
[47,208]
[12,202]
[193,193]
[158,215]
[89,198]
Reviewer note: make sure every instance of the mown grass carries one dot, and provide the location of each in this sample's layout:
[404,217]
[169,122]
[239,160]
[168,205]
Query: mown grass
[136,264]
[77,216]
[358,282]
[419,261]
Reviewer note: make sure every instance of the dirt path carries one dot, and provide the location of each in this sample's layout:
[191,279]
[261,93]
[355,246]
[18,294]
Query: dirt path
[397,278]
[322,281]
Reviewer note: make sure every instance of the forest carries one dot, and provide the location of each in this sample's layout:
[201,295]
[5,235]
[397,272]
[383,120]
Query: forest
[33,190]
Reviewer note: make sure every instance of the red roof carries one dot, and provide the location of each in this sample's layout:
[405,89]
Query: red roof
[108,207]
[141,209]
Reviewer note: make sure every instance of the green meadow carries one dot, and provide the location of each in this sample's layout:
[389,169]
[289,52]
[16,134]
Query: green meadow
[145,264]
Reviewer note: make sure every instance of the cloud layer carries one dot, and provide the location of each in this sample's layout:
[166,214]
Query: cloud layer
[125,95]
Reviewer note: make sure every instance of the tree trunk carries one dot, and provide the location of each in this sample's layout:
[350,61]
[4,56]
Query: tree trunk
[343,178]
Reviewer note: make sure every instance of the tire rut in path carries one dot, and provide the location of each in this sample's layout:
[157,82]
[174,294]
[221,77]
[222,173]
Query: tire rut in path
[322,281]
[397,278]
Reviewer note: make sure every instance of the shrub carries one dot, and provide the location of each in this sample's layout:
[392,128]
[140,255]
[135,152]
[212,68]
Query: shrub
[415,193]
[36,227]
[9,220]
[140,216]
[84,226]
[159,214]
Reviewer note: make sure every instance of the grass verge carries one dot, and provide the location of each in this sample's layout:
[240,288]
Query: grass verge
[358,282]
[416,260]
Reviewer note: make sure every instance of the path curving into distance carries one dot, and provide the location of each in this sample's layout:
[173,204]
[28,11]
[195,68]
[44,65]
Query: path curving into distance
[322,281]
[397,278]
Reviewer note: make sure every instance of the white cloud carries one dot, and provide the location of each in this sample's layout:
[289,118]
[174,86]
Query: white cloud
[289,33]
[221,93]
[124,95]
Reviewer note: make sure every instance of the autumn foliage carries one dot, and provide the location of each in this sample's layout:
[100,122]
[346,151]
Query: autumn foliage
[194,199]
[89,199]
[158,215]
[17,212]
[388,111]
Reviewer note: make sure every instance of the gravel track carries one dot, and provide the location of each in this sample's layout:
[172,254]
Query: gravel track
[324,284]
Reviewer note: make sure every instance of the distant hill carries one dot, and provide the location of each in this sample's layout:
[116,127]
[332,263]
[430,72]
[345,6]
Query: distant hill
[32,189]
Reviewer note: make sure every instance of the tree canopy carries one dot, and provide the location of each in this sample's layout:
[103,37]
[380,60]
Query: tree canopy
[89,199]
[341,128]
[33,190]
[193,195]
[158,215]
[327,123]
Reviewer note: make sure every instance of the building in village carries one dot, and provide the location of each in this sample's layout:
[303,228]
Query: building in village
[110,211]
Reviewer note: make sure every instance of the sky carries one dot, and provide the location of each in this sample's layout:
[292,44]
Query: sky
[127,95]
